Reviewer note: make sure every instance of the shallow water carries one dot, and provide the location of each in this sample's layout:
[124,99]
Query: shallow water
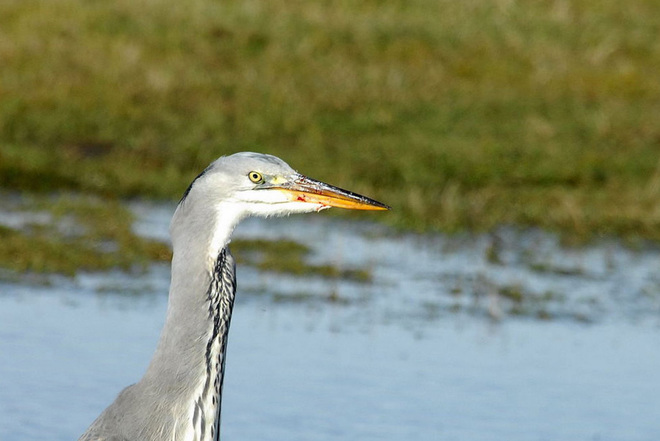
[448,341]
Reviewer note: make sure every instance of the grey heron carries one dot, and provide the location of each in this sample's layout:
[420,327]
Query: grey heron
[178,398]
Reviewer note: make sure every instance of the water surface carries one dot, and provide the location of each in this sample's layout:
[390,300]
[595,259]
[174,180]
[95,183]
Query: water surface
[439,345]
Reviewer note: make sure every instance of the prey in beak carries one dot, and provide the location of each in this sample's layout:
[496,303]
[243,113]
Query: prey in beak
[304,189]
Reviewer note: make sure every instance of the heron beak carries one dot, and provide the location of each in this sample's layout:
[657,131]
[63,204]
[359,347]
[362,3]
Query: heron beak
[304,189]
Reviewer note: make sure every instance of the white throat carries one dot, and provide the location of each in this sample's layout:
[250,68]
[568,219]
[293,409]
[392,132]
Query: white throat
[227,216]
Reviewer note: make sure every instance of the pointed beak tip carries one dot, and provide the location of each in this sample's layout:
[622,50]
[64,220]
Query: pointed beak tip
[376,207]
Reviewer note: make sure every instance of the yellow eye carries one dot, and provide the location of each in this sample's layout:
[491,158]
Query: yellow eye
[256,177]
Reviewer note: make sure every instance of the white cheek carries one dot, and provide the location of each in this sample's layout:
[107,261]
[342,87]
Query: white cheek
[273,203]
[266,197]
[286,208]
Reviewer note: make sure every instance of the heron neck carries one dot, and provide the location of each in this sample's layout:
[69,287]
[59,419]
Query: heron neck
[188,365]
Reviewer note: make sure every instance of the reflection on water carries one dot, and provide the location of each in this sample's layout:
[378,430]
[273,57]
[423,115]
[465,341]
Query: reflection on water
[470,338]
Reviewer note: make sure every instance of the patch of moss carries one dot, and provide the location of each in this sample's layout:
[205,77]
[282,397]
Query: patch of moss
[85,233]
[514,293]
[289,257]
[305,297]
[541,267]
[543,315]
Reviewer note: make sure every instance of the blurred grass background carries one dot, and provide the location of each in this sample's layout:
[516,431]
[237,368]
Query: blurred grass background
[460,114]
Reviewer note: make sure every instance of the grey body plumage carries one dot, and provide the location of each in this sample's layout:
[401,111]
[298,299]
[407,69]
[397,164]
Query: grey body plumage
[179,396]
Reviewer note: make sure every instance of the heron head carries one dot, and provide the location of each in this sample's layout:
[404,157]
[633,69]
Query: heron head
[256,184]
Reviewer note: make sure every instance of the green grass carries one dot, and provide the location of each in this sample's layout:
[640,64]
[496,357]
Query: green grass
[285,256]
[460,115]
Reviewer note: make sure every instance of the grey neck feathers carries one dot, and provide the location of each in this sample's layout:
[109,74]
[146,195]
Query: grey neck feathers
[187,369]
[178,398]
[188,366]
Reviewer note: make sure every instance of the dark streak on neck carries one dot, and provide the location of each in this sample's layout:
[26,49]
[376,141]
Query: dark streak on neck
[220,298]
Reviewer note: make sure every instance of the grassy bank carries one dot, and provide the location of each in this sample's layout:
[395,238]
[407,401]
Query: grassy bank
[458,114]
